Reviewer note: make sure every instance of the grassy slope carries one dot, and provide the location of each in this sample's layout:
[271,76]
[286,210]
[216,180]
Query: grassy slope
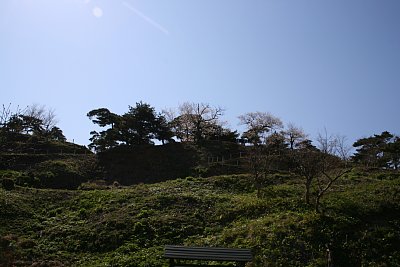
[129,226]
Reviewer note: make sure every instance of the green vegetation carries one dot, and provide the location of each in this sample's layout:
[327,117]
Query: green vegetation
[49,171]
[128,226]
[292,203]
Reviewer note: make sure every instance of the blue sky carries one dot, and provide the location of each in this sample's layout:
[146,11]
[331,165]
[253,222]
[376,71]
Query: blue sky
[318,64]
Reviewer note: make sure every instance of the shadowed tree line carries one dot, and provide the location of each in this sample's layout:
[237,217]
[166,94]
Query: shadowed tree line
[34,151]
[34,120]
[194,123]
[199,122]
[270,146]
[142,125]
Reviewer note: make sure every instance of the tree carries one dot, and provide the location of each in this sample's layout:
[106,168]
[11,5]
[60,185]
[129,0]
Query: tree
[163,130]
[5,115]
[103,117]
[268,148]
[372,151]
[266,159]
[218,133]
[275,143]
[334,145]
[307,163]
[139,126]
[57,134]
[183,127]
[343,150]
[317,167]
[326,143]
[46,116]
[101,141]
[258,125]
[294,135]
[195,121]
[392,151]
[257,160]
[331,171]
[11,122]
[34,123]
[108,138]
[14,124]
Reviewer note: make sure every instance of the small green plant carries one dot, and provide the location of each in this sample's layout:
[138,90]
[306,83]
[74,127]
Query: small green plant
[200,171]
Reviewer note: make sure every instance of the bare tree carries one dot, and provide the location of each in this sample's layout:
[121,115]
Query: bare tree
[6,114]
[326,142]
[307,163]
[258,125]
[256,162]
[294,135]
[334,145]
[328,167]
[195,119]
[169,114]
[342,149]
[261,164]
[47,116]
[320,171]
[328,176]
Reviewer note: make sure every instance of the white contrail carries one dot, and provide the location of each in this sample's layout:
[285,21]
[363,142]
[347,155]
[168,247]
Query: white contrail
[146,18]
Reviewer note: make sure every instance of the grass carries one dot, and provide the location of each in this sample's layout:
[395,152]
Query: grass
[128,226]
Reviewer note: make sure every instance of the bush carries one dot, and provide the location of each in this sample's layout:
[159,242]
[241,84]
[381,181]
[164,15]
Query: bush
[60,174]
[95,185]
[28,180]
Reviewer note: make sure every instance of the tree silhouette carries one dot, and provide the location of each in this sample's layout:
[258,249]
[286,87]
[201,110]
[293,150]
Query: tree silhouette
[139,126]
[258,124]
[195,121]
[294,135]
[377,150]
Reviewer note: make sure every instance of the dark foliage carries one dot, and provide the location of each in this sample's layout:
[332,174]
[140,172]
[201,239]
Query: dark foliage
[8,184]
[147,163]
[378,151]
[139,126]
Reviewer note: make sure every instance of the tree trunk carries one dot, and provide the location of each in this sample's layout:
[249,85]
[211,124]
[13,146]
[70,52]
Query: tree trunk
[317,203]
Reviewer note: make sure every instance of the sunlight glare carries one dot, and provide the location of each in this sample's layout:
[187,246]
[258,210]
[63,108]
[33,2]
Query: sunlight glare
[97,12]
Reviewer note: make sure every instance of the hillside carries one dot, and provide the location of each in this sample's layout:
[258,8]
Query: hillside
[149,164]
[128,226]
[36,162]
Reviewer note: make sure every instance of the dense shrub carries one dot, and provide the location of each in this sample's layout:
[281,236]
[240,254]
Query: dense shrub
[67,174]
[28,180]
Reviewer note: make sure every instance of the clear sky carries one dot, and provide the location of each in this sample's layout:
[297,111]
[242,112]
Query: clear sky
[331,64]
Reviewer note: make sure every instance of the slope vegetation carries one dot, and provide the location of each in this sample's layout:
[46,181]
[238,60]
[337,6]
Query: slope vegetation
[128,226]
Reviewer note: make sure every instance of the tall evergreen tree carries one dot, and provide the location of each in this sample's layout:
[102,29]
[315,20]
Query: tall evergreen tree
[372,151]
[139,126]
